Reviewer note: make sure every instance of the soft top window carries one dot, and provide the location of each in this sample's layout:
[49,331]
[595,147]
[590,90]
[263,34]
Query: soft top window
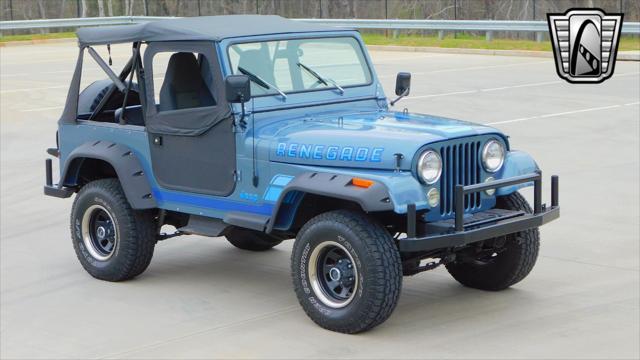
[183,78]
[106,82]
[184,90]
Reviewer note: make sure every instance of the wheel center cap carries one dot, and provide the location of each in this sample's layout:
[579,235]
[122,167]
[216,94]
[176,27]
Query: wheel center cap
[335,274]
[101,232]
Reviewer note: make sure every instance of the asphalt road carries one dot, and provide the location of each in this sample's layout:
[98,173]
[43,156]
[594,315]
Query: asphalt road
[201,297]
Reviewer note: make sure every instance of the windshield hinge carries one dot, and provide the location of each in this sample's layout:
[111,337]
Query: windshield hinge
[239,124]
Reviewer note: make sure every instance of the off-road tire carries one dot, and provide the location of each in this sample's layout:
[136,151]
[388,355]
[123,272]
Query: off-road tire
[251,240]
[90,97]
[135,229]
[98,98]
[378,264]
[511,265]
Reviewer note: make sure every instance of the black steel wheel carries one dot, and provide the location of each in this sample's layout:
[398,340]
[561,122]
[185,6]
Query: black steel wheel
[499,262]
[346,271]
[333,274]
[99,232]
[112,241]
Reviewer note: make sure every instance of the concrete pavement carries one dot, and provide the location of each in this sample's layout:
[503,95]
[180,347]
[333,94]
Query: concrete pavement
[202,298]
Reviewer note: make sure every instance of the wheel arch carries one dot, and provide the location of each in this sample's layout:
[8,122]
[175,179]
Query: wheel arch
[104,159]
[516,163]
[312,193]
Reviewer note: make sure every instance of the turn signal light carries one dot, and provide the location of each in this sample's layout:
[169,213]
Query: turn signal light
[363,183]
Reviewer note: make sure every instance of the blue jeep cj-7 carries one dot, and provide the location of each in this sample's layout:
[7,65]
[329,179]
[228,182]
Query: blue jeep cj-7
[263,129]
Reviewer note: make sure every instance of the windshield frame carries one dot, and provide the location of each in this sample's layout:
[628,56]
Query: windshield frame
[363,52]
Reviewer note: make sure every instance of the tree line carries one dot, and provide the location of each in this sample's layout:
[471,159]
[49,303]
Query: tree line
[380,9]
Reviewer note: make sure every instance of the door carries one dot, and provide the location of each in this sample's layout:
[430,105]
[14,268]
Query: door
[189,123]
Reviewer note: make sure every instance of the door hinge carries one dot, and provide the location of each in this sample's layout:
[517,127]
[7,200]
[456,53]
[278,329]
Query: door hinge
[236,175]
[237,128]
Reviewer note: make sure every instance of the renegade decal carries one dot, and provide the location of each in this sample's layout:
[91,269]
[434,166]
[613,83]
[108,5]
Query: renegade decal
[329,152]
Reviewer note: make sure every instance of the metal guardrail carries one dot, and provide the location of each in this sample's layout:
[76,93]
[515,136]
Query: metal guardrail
[76,22]
[487,26]
[453,25]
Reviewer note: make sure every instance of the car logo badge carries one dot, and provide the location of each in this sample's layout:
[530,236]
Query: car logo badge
[585,43]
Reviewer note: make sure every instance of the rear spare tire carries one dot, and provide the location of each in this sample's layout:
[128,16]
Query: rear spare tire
[90,97]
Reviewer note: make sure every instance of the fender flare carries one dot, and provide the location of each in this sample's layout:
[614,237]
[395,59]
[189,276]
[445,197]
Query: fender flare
[371,199]
[130,173]
[516,163]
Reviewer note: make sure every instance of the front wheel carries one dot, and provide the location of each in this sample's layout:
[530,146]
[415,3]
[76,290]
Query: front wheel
[499,262]
[347,272]
[112,241]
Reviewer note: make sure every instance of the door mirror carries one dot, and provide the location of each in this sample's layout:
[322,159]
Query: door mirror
[237,88]
[403,83]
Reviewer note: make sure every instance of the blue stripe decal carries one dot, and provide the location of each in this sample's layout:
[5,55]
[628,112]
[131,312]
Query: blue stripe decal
[272,194]
[212,203]
[276,186]
[281,180]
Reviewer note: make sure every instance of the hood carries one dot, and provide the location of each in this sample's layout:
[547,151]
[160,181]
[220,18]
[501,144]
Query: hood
[363,140]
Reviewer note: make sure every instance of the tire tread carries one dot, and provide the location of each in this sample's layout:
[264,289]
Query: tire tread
[527,244]
[137,228]
[385,256]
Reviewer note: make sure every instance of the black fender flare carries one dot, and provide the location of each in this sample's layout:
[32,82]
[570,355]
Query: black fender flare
[372,199]
[130,173]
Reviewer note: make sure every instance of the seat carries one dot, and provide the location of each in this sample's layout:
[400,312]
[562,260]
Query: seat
[133,115]
[183,86]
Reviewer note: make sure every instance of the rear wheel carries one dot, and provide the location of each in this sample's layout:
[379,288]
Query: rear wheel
[112,241]
[251,240]
[346,271]
[501,262]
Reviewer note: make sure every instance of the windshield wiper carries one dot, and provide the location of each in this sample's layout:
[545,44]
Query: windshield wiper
[324,80]
[260,81]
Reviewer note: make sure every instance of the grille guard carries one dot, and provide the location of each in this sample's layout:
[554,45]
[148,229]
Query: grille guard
[461,234]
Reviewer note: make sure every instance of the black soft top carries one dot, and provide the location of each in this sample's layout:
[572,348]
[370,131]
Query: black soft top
[211,28]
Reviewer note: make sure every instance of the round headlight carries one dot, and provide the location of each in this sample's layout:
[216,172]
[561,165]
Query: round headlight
[493,155]
[430,166]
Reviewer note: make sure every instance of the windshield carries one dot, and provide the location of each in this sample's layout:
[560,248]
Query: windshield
[301,65]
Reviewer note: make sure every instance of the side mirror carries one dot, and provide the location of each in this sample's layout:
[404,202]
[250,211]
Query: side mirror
[403,83]
[237,88]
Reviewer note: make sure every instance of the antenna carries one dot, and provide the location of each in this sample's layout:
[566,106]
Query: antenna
[253,144]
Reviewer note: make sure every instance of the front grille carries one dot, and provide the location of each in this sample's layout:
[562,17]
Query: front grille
[460,166]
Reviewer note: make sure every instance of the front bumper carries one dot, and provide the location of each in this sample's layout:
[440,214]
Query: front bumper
[480,226]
